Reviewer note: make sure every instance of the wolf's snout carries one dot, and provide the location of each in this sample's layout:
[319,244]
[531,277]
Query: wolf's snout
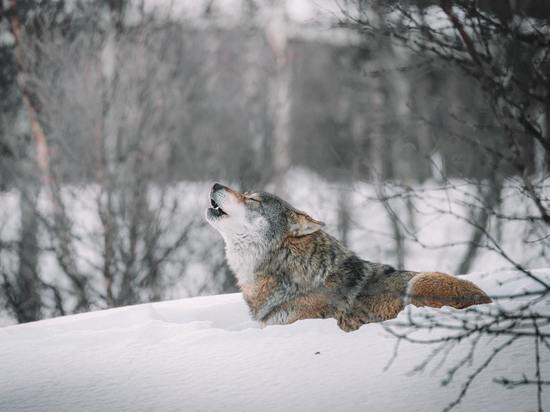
[217,195]
[217,187]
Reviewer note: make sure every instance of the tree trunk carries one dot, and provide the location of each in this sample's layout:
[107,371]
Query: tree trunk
[491,199]
[279,92]
[61,224]
[42,151]
[26,301]
[344,215]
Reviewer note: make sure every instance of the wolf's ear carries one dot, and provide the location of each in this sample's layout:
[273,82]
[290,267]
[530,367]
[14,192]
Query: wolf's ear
[302,224]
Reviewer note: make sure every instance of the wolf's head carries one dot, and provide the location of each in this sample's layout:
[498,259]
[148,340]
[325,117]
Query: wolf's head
[256,218]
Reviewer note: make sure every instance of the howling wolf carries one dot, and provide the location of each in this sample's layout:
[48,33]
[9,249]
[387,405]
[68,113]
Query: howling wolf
[289,269]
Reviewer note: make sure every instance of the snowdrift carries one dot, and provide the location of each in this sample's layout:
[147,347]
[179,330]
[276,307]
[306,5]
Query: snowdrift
[205,354]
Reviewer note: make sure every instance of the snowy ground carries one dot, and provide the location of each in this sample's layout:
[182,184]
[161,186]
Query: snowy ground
[205,354]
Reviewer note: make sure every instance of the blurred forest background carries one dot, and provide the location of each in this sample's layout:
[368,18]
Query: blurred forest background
[418,146]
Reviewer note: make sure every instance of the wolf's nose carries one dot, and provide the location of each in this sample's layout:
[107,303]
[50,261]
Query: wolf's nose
[216,187]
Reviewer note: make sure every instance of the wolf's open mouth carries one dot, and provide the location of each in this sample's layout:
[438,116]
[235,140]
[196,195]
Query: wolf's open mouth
[216,209]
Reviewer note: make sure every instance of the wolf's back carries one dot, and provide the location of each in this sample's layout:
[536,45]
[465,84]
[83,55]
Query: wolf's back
[389,291]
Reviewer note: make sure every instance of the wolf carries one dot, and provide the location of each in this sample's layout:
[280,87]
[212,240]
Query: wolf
[288,268]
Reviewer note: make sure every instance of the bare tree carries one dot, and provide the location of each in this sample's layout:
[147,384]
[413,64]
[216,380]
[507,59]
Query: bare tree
[279,88]
[482,41]
[111,116]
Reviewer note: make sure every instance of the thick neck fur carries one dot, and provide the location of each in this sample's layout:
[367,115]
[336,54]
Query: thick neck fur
[244,253]
[306,261]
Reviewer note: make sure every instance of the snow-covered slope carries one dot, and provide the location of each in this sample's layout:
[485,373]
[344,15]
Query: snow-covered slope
[205,354]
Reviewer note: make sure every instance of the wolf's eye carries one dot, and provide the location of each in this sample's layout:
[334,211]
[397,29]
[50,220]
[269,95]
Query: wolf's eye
[253,201]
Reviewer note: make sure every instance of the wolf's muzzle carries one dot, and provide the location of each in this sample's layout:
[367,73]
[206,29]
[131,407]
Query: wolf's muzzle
[217,187]
[216,210]
[221,188]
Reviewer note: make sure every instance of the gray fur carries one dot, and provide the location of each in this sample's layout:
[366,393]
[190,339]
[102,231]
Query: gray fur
[255,233]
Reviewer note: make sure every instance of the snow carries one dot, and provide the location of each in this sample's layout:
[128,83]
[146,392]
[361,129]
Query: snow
[206,354]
